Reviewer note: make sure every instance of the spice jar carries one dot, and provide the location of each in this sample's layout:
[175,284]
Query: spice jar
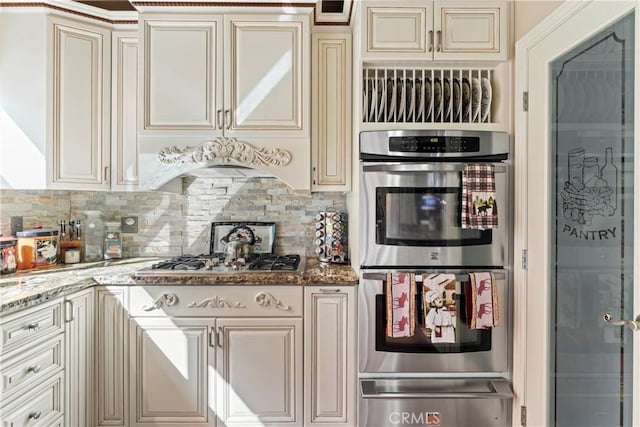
[37,248]
[8,255]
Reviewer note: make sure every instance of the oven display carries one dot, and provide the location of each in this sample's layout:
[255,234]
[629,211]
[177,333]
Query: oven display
[434,144]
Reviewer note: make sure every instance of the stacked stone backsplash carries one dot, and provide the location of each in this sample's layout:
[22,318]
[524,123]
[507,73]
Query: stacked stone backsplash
[174,224]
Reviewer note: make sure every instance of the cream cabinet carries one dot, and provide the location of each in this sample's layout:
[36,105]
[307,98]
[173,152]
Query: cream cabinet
[330,395]
[205,353]
[79,153]
[231,88]
[331,110]
[79,359]
[124,113]
[112,356]
[435,30]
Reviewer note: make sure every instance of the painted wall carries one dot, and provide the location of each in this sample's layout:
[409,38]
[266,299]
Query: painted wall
[528,13]
[174,224]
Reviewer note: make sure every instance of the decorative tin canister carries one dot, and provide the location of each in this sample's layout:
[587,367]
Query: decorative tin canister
[331,236]
[37,248]
[8,255]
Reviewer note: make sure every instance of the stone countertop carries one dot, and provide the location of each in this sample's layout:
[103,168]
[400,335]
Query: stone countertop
[29,288]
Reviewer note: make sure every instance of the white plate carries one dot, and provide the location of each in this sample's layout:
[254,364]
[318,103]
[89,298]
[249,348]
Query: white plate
[485,100]
[382,99]
[391,98]
[411,99]
[365,100]
[437,99]
[466,99]
[372,99]
[400,104]
[476,95]
[457,100]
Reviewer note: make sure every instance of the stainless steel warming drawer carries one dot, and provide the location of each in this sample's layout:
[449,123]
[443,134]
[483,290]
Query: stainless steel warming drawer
[444,402]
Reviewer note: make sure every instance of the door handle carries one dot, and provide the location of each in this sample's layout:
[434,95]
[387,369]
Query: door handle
[430,40]
[219,118]
[227,118]
[634,325]
[438,41]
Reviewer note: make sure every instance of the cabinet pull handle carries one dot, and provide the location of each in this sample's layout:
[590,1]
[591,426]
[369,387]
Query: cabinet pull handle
[35,369]
[68,312]
[33,327]
[106,174]
[227,118]
[439,40]
[35,415]
[315,175]
[220,337]
[329,291]
[219,118]
[212,337]
[430,40]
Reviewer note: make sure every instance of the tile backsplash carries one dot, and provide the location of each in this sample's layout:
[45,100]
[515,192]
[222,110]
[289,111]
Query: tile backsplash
[173,224]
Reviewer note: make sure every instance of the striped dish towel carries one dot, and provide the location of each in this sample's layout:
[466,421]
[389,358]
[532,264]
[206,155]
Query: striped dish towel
[479,206]
[401,297]
[482,301]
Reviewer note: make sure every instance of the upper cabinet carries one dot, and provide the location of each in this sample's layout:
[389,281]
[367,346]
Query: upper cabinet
[435,30]
[226,87]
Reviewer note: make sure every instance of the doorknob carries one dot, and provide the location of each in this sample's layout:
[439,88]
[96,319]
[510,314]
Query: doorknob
[631,324]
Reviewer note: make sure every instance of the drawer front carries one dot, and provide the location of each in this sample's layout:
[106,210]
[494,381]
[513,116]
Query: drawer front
[30,327]
[40,407]
[30,367]
[207,301]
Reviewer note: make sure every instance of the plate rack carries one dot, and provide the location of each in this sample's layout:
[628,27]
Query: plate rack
[414,95]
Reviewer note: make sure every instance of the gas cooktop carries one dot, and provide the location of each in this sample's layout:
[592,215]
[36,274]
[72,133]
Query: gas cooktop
[214,264]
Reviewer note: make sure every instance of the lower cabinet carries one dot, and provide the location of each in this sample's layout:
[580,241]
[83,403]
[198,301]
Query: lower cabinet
[330,393]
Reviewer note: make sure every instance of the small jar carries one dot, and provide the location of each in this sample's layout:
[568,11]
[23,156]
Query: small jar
[8,255]
[112,241]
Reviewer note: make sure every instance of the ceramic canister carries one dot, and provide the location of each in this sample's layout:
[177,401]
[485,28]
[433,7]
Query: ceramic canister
[37,248]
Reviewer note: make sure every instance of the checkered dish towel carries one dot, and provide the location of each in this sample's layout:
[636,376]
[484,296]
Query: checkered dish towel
[479,205]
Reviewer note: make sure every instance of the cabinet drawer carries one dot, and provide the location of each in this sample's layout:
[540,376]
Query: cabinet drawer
[39,407]
[206,301]
[30,326]
[30,367]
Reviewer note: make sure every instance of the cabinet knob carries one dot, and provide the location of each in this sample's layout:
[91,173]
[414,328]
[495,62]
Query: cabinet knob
[35,415]
[33,327]
[35,369]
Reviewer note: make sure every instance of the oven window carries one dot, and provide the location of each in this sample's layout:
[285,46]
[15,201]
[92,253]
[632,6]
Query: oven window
[417,216]
[466,340]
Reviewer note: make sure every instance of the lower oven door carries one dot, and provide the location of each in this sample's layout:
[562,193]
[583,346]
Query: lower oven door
[472,350]
[450,402]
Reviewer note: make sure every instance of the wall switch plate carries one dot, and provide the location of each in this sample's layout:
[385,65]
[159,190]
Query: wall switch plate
[129,224]
[16,224]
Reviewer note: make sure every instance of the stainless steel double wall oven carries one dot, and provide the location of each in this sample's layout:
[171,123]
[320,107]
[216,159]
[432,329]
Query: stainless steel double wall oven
[410,213]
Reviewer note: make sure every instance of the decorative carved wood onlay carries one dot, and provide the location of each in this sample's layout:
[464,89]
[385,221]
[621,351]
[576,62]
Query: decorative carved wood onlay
[165,300]
[225,149]
[216,302]
[265,299]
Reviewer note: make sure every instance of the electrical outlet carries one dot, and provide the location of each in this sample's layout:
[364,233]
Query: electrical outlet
[129,224]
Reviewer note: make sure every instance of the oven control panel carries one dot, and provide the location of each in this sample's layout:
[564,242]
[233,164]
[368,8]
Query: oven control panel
[434,144]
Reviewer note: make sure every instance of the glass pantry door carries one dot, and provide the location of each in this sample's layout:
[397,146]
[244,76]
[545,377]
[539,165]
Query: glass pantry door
[585,257]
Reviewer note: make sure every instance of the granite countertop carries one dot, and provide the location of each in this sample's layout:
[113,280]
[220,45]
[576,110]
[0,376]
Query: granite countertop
[28,288]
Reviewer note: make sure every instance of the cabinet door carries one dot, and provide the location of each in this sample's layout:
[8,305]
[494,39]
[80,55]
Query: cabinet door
[259,372]
[330,356]
[79,358]
[181,73]
[79,153]
[469,30]
[331,92]
[112,347]
[124,115]
[266,74]
[398,32]
[170,364]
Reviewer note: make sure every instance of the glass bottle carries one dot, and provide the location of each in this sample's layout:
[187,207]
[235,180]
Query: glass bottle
[609,173]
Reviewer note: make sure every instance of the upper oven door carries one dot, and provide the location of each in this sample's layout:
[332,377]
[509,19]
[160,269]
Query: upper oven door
[412,218]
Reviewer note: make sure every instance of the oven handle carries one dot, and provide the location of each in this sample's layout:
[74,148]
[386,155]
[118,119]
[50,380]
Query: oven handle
[459,277]
[500,387]
[423,167]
